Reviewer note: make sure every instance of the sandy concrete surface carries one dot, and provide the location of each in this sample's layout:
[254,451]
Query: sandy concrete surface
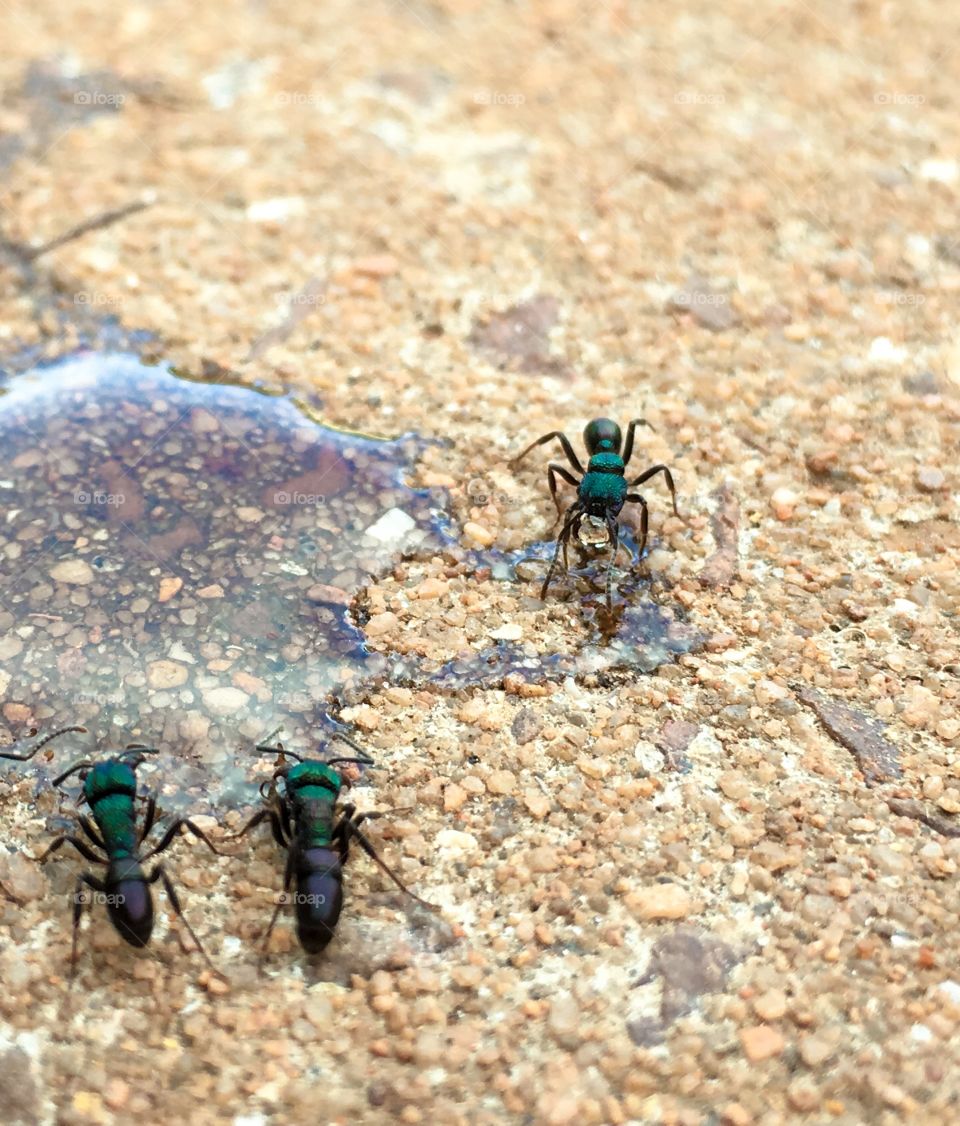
[721,892]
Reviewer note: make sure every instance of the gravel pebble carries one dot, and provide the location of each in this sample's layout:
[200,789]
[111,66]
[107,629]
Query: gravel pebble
[761,1042]
[224,700]
[930,479]
[166,674]
[76,572]
[662,901]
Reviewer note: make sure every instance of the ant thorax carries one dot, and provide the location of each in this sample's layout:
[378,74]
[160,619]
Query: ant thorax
[593,532]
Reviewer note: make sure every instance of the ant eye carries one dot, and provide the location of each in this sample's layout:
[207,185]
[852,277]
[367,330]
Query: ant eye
[602,434]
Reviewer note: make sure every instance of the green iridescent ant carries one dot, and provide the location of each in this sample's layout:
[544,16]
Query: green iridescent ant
[110,790]
[316,832]
[602,490]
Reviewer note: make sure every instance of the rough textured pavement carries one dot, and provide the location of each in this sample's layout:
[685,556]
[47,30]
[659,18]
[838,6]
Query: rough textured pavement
[725,891]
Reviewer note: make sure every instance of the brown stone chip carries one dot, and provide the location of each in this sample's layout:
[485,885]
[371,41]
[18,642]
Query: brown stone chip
[864,735]
[674,738]
[689,962]
[521,334]
[526,725]
[910,807]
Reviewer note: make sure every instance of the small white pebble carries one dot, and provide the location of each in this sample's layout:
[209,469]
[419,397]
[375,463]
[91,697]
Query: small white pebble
[883,351]
[452,840]
[783,501]
[276,209]
[951,990]
[392,526]
[906,607]
[940,171]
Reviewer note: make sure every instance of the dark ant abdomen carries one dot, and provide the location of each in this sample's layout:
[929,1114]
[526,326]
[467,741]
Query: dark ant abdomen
[319,897]
[130,906]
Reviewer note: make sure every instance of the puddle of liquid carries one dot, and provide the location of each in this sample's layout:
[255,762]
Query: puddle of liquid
[177,559]
[642,630]
[636,637]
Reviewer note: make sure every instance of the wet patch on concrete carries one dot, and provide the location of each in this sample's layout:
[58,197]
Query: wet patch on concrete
[178,559]
[638,637]
[184,562]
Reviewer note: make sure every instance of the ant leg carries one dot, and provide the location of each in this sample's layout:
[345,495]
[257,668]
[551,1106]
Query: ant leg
[571,529]
[78,902]
[652,472]
[561,544]
[575,536]
[351,829]
[564,441]
[635,498]
[258,818]
[349,814]
[628,446]
[285,819]
[554,471]
[167,839]
[43,742]
[81,846]
[160,874]
[613,529]
[281,900]
[149,818]
[91,831]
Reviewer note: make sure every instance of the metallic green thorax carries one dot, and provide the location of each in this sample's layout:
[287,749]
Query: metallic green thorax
[604,485]
[110,789]
[313,789]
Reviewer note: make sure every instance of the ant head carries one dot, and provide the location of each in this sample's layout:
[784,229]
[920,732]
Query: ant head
[602,436]
[110,776]
[283,767]
[99,775]
[312,774]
